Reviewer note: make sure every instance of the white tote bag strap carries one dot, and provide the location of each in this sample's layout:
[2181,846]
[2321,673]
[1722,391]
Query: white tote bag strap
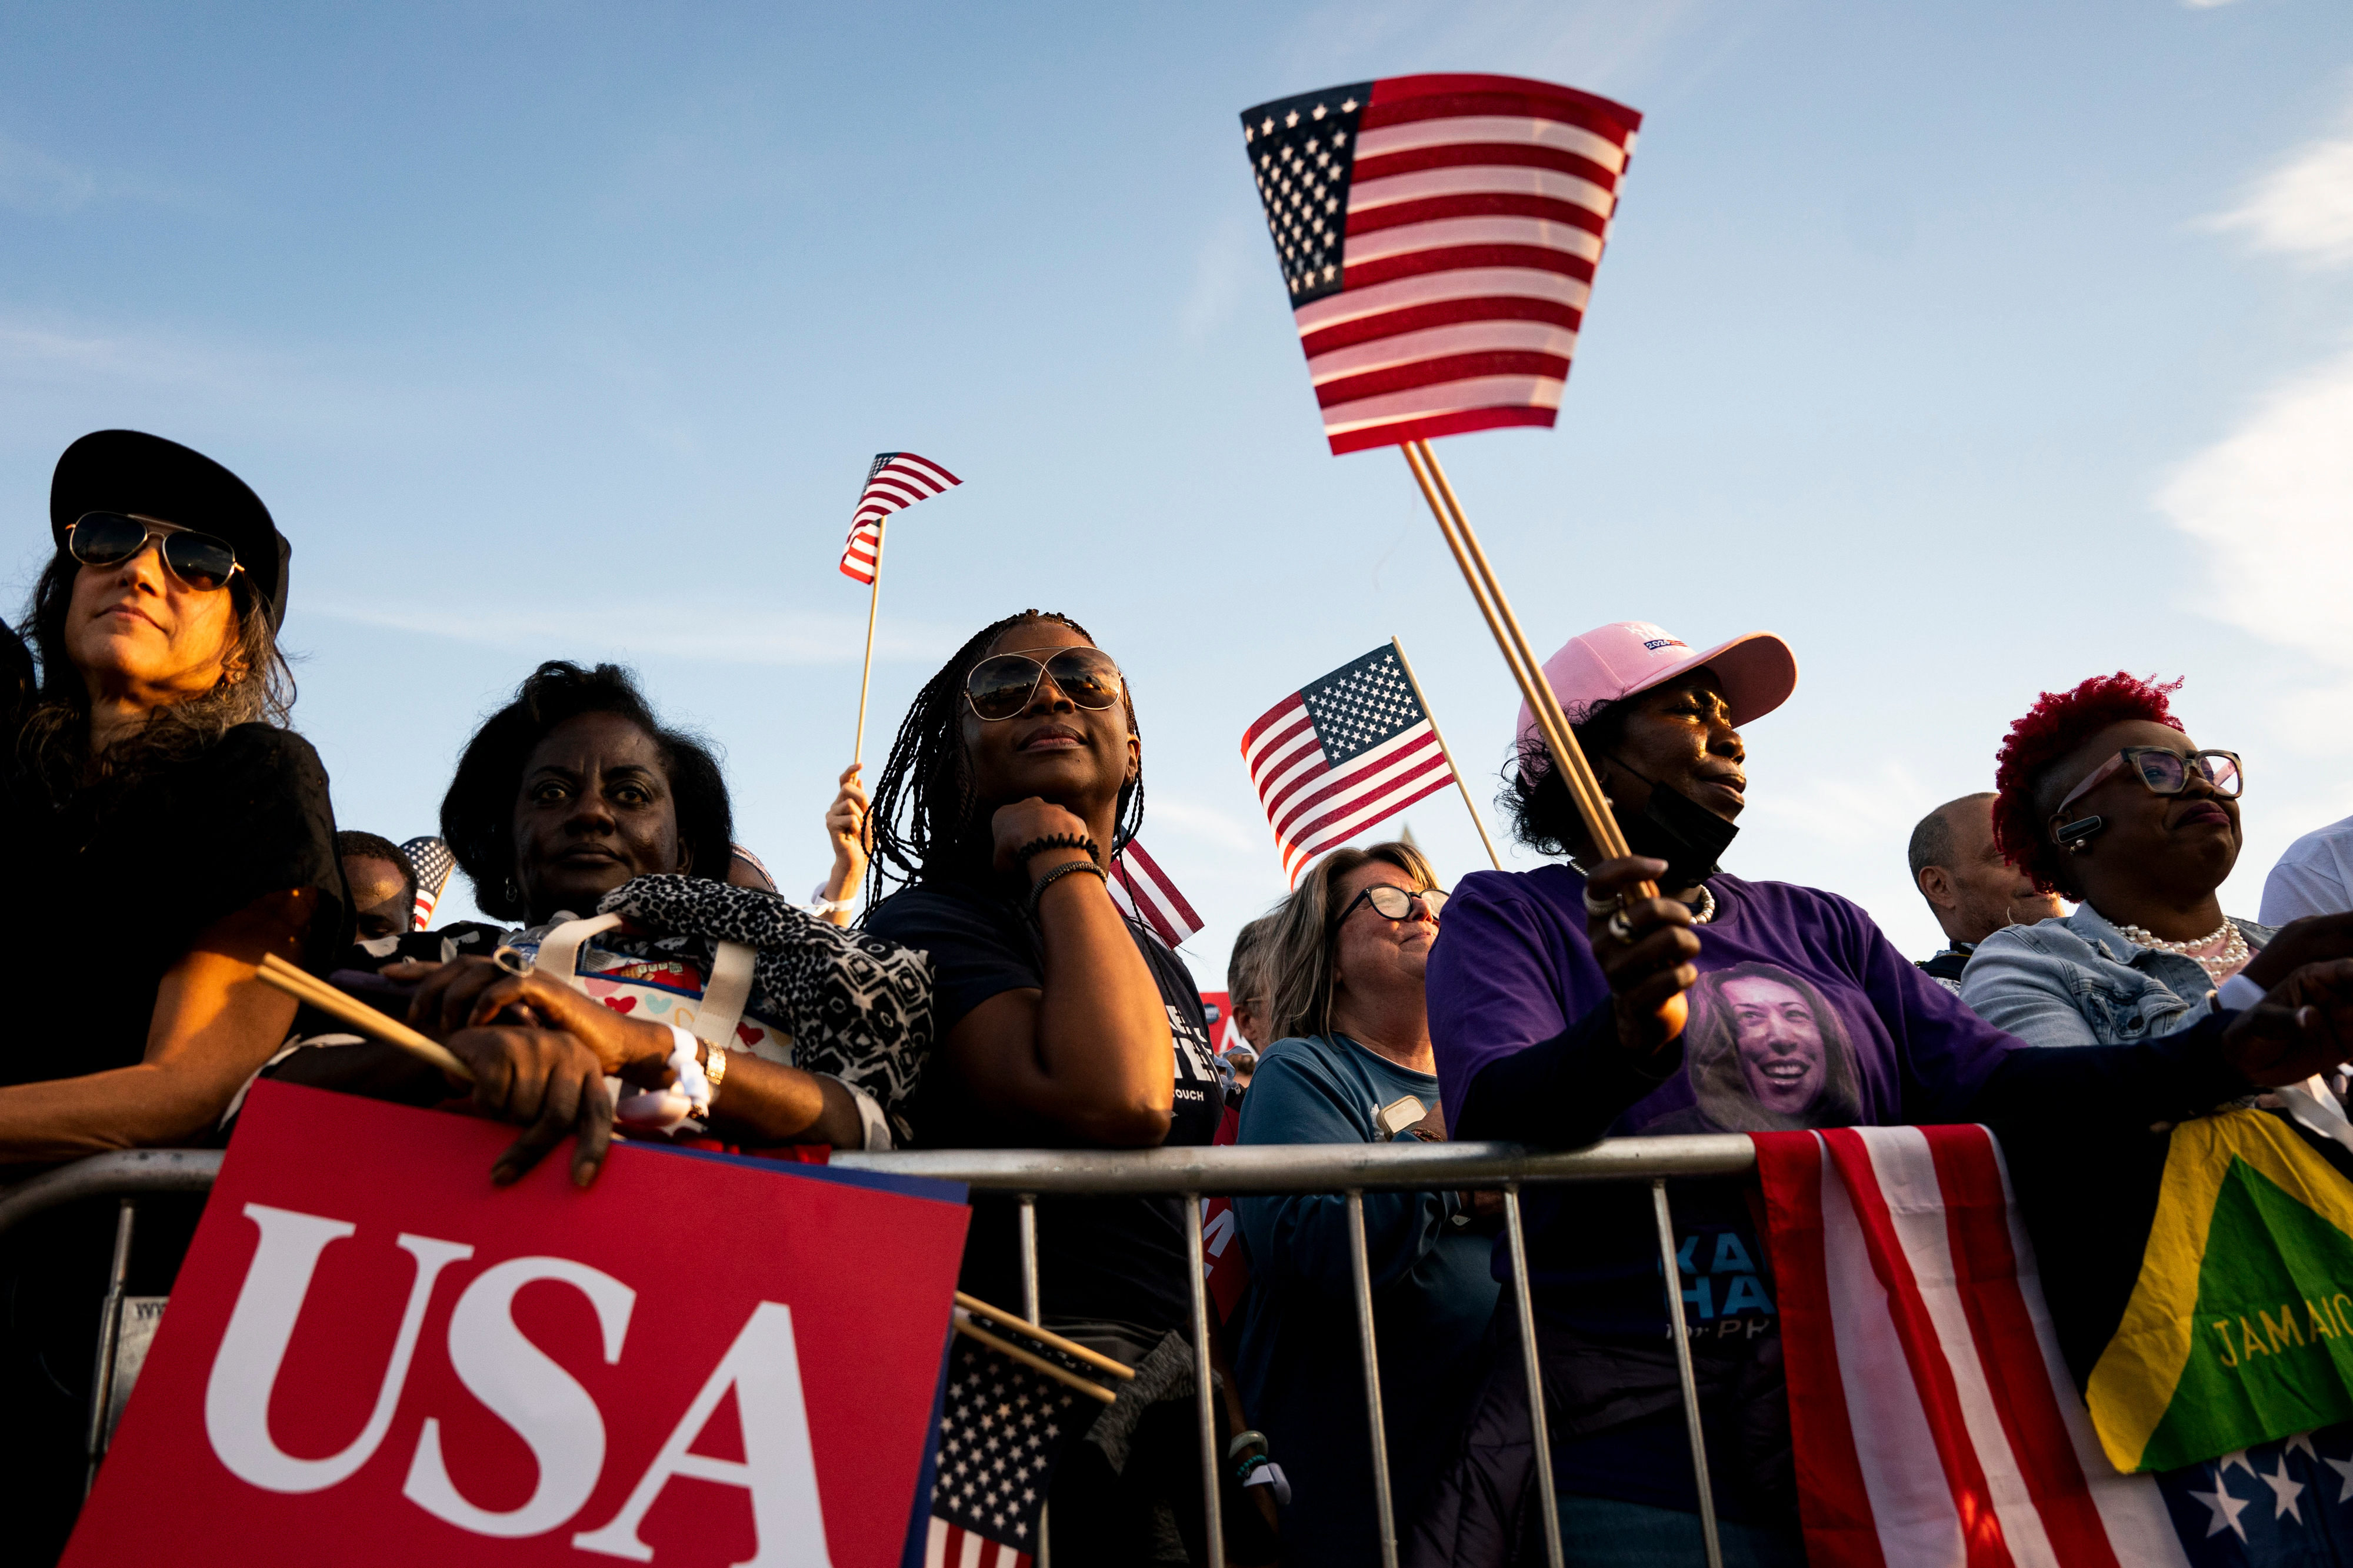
[725,995]
[559,950]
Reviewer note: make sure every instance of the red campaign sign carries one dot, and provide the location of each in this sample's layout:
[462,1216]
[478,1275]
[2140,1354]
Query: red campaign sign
[373,1357]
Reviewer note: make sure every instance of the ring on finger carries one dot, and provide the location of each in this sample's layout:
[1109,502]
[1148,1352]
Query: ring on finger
[1597,907]
[1619,928]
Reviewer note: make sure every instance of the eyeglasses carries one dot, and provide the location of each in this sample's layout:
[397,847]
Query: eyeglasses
[1002,685]
[109,539]
[1394,902]
[2167,772]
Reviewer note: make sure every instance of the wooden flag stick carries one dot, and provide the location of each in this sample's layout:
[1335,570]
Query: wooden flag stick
[966,1326]
[1070,1348]
[866,678]
[1575,772]
[1568,757]
[1468,803]
[304,987]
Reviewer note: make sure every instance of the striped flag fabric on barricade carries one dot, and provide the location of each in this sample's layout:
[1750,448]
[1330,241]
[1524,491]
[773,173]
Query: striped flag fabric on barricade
[1144,892]
[1341,753]
[431,859]
[1003,1427]
[1934,1419]
[1439,234]
[897,480]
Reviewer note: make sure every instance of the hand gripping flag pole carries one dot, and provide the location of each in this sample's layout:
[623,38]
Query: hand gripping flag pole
[894,481]
[1439,234]
[1448,752]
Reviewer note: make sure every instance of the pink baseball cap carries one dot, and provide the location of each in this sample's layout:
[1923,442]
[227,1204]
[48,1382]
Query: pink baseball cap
[1610,663]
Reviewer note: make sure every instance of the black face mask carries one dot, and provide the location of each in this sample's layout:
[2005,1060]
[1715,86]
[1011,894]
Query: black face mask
[1677,829]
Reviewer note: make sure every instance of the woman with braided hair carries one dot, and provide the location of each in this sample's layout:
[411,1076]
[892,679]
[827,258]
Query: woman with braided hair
[1015,780]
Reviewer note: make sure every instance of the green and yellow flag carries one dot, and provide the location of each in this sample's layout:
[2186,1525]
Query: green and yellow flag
[2241,1325]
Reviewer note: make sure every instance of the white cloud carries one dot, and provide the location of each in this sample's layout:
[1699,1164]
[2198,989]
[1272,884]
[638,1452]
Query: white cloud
[748,634]
[32,181]
[2273,503]
[2304,208]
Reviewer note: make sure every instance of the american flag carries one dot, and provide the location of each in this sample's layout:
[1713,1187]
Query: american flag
[1341,753]
[897,480]
[1144,892]
[1439,234]
[431,858]
[1001,1430]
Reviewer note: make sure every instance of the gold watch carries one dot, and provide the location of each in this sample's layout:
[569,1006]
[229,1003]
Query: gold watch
[714,1066]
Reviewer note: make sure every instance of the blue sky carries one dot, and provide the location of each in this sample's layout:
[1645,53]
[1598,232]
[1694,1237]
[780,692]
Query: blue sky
[1975,349]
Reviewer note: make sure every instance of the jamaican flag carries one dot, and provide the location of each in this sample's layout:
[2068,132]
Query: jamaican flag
[2241,1324]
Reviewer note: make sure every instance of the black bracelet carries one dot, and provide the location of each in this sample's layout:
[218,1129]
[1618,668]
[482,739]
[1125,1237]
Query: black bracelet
[1038,889]
[1036,847]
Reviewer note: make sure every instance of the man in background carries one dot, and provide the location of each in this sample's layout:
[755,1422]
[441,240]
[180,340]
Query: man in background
[383,885]
[1971,888]
[2314,878]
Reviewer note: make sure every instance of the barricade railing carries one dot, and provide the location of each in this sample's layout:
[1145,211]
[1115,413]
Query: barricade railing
[1190,1174]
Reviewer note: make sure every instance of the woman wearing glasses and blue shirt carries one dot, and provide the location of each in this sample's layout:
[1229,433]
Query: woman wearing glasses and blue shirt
[1355,1065]
[2103,799]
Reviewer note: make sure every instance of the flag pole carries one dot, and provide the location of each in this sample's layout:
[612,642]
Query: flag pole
[1448,752]
[866,677]
[1568,757]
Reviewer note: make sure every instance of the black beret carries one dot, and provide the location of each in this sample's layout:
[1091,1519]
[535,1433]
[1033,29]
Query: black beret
[130,471]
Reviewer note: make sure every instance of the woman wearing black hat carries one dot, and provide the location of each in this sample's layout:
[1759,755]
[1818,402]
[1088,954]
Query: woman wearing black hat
[162,830]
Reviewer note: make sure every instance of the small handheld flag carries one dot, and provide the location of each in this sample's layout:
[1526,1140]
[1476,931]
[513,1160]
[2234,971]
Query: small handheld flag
[1341,753]
[897,480]
[1439,234]
[432,861]
[1144,892]
[1003,1427]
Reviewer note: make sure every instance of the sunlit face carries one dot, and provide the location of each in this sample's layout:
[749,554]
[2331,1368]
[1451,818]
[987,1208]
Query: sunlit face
[137,633]
[1782,1056]
[595,810]
[382,904]
[1369,949]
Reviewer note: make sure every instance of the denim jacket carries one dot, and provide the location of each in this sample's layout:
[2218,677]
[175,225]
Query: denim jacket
[2077,980]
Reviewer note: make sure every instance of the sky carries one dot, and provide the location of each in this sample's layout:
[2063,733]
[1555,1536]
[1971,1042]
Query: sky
[1974,349]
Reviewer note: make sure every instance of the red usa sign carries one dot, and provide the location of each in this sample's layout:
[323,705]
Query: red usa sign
[372,1356]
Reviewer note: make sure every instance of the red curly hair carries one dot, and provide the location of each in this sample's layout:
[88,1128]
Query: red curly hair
[2058,723]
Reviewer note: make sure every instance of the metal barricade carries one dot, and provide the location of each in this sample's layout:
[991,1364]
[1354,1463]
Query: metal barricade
[1266,1170]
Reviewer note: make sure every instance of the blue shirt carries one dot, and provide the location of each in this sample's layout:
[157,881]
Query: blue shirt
[1303,1379]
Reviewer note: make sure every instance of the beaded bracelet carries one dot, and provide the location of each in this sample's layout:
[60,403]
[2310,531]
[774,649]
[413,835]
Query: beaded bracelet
[1038,889]
[1036,847]
[1250,1467]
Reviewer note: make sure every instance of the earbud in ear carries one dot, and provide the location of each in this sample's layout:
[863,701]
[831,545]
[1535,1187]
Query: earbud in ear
[2077,834]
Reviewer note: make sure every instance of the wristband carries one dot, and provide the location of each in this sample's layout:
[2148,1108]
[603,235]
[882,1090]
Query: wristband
[1243,1441]
[662,1109]
[1036,847]
[1038,889]
[685,1052]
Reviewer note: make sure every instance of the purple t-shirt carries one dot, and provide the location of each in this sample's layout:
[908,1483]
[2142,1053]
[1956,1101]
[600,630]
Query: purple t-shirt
[1804,1016]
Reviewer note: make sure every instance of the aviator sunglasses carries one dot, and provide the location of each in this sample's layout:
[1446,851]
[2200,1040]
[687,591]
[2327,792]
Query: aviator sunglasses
[1002,685]
[108,538]
[1394,902]
[2165,773]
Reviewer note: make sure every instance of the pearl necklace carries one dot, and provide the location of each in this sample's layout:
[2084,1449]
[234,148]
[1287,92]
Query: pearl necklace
[2233,956]
[1707,910]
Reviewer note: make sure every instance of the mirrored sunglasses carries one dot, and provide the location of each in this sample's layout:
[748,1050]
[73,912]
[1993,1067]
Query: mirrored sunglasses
[108,538]
[1003,684]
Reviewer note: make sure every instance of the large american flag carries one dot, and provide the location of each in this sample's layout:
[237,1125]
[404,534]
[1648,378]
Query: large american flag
[897,480]
[1144,892]
[1439,234]
[1341,753]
